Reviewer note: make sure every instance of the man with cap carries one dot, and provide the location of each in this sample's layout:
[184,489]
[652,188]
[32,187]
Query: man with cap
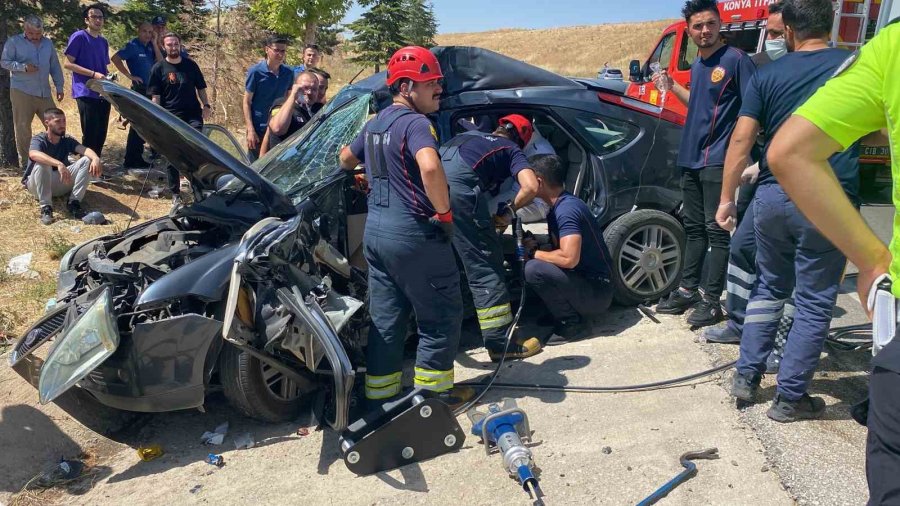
[134,61]
[476,165]
[407,241]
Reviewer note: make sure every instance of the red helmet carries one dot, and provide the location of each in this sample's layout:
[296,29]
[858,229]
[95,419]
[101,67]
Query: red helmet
[520,125]
[415,63]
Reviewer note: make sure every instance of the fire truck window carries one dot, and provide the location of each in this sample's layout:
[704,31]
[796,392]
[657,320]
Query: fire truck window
[688,53]
[662,54]
[745,40]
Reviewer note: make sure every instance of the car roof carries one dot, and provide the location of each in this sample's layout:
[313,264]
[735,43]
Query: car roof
[468,68]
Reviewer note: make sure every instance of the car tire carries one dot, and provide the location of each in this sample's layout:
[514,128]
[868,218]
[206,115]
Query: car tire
[647,248]
[246,388]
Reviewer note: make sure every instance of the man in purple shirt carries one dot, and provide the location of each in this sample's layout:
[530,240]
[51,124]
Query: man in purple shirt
[87,56]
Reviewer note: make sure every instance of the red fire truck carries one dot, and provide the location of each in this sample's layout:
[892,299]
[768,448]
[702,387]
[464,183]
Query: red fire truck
[744,26]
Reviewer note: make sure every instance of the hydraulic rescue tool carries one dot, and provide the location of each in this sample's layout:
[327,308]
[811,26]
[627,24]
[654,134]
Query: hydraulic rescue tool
[690,469]
[411,429]
[504,429]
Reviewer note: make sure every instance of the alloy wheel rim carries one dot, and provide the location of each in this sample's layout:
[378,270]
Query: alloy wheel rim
[649,259]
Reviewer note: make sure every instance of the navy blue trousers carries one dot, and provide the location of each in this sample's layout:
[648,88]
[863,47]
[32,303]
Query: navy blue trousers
[790,254]
[883,441]
[478,246]
[411,271]
[568,295]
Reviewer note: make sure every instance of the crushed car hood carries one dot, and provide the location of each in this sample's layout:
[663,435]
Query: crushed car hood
[195,156]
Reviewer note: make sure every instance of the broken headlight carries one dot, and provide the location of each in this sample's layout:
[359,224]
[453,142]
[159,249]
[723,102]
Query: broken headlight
[83,346]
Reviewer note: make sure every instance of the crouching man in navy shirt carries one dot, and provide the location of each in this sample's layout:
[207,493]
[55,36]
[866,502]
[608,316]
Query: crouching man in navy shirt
[573,277]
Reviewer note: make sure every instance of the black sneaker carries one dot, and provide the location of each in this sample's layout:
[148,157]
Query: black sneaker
[773,363]
[75,210]
[722,334]
[678,302]
[46,215]
[805,408]
[707,312]
[572,330]
[519,348]
[744,387]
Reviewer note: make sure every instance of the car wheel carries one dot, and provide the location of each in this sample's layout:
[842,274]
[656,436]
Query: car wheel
[647,248]
[257,389]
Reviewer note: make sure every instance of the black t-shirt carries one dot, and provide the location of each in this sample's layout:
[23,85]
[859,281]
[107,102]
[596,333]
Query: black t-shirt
[177,85]
[60,151]
[299,116]
[779,88]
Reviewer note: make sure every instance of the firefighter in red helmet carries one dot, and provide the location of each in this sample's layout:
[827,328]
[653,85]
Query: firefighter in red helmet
[407,241]
[477,164]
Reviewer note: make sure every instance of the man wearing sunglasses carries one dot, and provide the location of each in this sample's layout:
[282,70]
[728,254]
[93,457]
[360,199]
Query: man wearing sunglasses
[268,80]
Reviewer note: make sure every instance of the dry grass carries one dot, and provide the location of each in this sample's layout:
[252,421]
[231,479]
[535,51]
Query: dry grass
[22,299]
[570,51]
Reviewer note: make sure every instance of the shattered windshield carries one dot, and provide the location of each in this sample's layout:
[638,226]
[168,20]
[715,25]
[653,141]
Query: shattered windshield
[311,154]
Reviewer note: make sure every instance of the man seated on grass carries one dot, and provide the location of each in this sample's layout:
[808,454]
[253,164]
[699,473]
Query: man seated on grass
[49,174]
[572,278]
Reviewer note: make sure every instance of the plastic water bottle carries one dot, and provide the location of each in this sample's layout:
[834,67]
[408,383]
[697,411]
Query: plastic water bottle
[663,84]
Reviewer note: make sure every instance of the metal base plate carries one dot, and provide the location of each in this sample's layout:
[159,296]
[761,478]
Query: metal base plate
[423,431]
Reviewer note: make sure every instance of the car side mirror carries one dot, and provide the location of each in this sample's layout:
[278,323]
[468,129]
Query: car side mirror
[634,71]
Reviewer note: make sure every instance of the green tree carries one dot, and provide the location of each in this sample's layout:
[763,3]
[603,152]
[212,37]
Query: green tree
[329,38]
[187,18]
[379,32]
[298,18]
[421,27]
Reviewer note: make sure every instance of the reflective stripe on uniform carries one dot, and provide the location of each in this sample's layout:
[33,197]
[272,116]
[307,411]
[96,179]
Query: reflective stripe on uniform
[766,304]
[436,381]
[759,311]
[382,387]
[737,290]
[494,317]
[741,274]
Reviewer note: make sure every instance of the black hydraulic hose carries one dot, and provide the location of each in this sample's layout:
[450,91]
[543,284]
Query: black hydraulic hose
[601,389]
[519,233]
[491,382]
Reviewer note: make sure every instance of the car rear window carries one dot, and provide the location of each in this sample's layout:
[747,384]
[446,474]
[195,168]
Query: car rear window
[605,134]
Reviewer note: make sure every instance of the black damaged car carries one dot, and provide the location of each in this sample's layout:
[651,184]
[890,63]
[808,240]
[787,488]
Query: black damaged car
[258,287]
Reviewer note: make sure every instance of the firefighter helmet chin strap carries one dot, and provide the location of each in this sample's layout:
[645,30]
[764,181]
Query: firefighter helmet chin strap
[513,134]
[407,100]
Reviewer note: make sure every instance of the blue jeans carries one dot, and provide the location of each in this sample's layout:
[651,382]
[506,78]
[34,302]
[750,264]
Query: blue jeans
[790,253]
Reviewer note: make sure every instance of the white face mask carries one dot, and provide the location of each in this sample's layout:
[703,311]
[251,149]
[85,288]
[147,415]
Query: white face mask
[776,48]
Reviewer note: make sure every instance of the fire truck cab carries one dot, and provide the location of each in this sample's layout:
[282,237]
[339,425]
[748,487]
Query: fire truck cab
[744,27]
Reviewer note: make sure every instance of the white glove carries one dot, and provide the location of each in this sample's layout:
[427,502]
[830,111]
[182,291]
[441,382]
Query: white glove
[750,174]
